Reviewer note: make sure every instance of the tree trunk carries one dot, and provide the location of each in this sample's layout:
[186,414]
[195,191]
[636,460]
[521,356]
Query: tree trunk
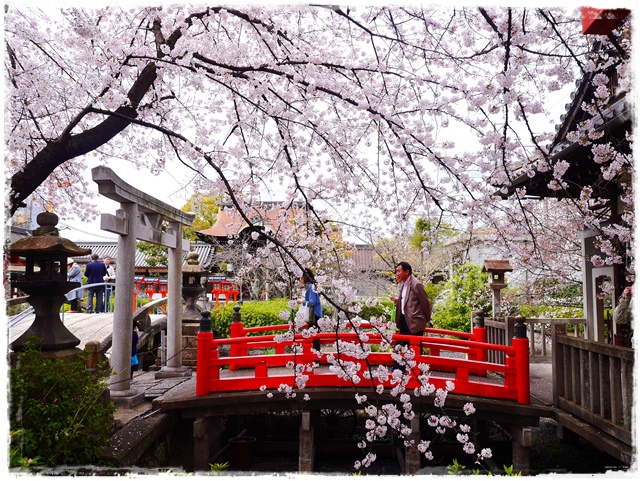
[57,152]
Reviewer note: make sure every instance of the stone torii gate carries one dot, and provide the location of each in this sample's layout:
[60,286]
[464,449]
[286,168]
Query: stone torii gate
[141,217]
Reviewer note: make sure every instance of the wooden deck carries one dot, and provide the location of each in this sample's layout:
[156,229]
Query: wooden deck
[86,327]
[184,399]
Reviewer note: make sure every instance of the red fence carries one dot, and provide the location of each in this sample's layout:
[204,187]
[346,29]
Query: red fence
[227,288]
[152,285]
[465,363]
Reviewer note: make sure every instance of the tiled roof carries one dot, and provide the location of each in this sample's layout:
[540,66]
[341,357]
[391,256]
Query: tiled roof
[104,249]
[230,223]
[363,256]
[364,259]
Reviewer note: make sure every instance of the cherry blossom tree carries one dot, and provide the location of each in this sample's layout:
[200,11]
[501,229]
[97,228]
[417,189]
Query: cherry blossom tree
[328,104]
[412,111]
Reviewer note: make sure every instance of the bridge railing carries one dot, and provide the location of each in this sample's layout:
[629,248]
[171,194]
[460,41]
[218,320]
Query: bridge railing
[594,382]
[452,356]
[15,319]
[539,333]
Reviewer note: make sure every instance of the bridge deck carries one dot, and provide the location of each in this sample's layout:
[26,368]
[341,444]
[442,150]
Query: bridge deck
[86,327]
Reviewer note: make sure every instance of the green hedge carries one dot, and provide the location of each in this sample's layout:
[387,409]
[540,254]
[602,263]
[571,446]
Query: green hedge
[267,313]
[254,314]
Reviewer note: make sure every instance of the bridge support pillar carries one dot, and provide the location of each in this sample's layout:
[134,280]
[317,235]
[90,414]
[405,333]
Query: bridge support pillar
[201,445]
[306,447]
[521,449]
[411,453]
[207,434]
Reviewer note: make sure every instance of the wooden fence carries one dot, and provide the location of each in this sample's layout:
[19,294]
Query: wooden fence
[539,332]
[594,382]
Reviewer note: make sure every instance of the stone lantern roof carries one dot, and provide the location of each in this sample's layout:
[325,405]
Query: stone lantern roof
[496,265]
[45,239]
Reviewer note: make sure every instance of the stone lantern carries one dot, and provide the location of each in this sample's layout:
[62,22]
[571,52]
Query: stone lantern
[45,282]
[194,278]
[496,269]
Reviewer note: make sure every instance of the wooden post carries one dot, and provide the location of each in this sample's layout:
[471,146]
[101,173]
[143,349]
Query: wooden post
[203,370]
[236,329]
[306,445]
[521,449]
[521,345]
[412,455]
[95,355]
[480,335]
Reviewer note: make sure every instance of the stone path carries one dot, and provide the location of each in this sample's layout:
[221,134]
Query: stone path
[153,388]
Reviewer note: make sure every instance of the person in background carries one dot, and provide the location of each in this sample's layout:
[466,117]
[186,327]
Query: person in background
[623,318]
[111,279]
[134,349]
[413,311]
[74,274]
[95,272]
[311,299]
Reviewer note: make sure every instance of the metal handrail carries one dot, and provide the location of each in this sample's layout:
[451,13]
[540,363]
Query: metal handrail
[13,320]
[86,286]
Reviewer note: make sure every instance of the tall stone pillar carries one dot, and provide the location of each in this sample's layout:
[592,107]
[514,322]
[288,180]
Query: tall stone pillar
[174,367]
[120,383]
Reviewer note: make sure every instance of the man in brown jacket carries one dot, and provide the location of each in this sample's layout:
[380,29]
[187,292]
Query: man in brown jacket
[413,311]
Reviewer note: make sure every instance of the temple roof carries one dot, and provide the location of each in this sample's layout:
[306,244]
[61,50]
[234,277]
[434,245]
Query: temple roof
[613,121]
[103,249]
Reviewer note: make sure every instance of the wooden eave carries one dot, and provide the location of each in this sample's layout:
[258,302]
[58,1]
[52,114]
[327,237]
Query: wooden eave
[582,169]
[615,121]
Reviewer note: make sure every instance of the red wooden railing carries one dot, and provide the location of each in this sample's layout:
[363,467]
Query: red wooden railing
[511,383]
[230,290]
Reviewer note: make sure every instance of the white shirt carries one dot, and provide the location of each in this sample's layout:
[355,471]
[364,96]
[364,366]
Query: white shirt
[405,288]
[111,273]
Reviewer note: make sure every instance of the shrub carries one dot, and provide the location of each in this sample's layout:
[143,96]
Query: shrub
[259,313]
[433,291]
[381,308]
[466,291]
[544,298]
[58,412]
[17,309]
[267,313]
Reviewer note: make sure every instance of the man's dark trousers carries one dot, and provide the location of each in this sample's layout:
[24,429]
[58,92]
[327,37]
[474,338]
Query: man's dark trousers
[98,292]
[404,329]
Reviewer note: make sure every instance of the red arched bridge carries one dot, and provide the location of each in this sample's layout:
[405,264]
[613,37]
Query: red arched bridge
[265,360]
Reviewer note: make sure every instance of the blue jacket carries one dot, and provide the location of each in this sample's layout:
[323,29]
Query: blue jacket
[95,272]
[312,298]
